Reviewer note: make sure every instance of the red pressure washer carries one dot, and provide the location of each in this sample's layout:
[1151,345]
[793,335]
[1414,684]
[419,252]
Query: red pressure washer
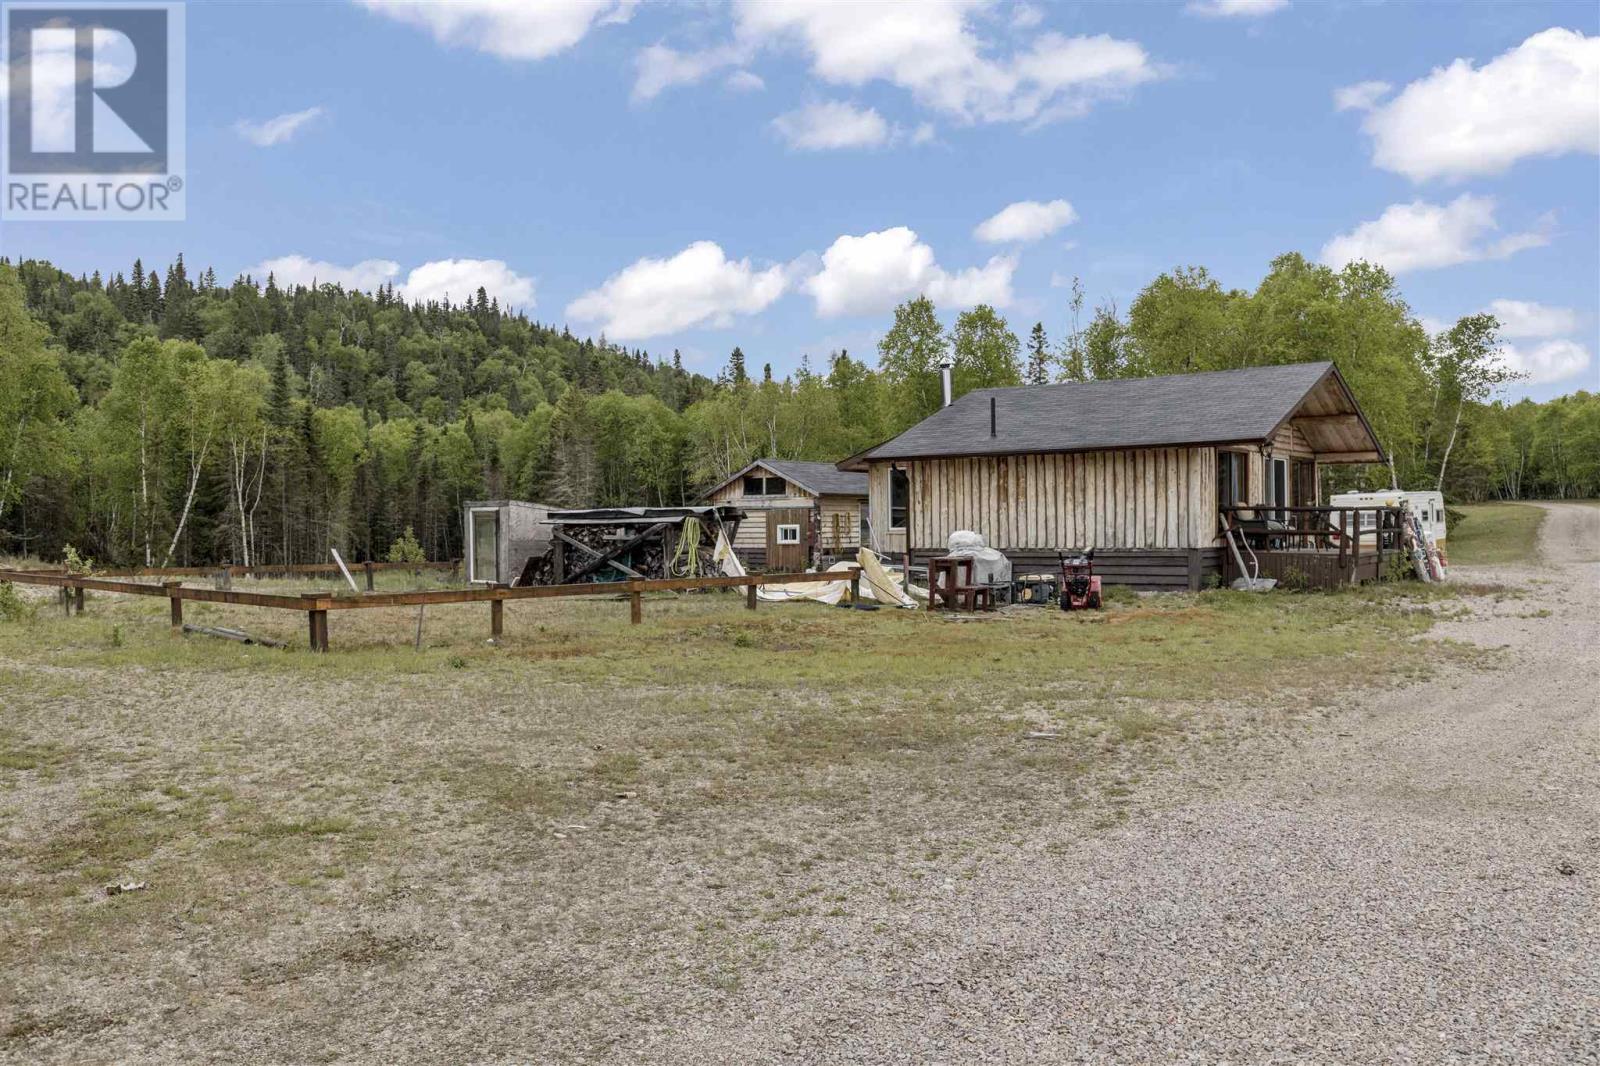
[1080,588]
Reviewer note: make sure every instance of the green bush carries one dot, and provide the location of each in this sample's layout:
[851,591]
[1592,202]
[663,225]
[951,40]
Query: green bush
[12,606]
[406,549]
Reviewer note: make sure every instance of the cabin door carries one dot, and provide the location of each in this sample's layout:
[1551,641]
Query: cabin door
[788,538]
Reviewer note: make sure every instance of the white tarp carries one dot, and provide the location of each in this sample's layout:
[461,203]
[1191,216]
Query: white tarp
[877,584]
[989,567]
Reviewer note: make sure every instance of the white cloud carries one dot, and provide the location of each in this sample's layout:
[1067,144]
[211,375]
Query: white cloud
[1235,8]
[277,130]
[1026,220]
[291,270]
[1525,319]
[832,124]
[660,68]
[1026,16]
[1550,361]
[1362,96]
[932,50]
[871,273]
[744,81]
[457,278]
[1538,99]
[699,286]
[460,280]
[1422,236]
[510,29]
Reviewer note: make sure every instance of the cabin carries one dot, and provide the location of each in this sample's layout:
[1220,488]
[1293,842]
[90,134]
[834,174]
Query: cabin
[795,512]
[1148,472]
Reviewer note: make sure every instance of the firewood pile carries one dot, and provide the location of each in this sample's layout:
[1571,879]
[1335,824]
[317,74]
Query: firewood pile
[630,543]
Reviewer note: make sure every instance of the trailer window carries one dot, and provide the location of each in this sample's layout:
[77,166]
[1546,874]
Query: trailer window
[788,534]
[899,498]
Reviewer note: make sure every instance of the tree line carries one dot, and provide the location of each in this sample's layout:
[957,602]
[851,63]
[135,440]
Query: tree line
[159,419]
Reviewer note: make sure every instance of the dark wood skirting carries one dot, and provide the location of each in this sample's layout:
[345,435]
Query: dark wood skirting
[1313,569]
[1150,569]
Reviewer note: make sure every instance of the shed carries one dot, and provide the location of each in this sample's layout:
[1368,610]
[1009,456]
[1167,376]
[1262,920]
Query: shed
[795,512]
[1140,469]
[501,535]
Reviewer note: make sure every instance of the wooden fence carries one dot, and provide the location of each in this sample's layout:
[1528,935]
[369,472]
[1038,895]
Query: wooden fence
[227,571]
[316,605]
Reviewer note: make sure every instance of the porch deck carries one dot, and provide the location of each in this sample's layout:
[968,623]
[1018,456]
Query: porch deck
[1314,547]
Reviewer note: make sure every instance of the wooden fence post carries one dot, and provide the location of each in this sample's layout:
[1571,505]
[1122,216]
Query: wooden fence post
[855,585]
[66,601]
[497,619]
[77,597]
[177,605]
[749,597]
[316,621]
[635,607]
[369,575]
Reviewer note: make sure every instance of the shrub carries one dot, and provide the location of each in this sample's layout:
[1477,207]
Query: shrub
[12,607]
[75,563]
[406,549]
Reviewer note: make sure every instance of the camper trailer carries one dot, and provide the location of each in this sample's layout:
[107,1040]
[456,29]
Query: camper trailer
[1427,506]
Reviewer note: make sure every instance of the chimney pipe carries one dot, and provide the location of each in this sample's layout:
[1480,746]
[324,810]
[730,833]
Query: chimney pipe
[991,417]
[944,374]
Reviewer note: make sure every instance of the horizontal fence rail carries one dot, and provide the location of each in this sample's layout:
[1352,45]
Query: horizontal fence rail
[316,605]
[270,569]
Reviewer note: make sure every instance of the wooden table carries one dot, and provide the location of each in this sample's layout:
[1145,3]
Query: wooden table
[950,579]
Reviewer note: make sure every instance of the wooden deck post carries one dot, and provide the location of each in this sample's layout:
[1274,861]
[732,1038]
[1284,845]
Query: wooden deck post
[177,605]
[750,597]
[497,619]
[635,607]
[369,575]
[316,621]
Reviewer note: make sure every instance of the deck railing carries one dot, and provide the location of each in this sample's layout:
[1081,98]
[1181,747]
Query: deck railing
[1349,532]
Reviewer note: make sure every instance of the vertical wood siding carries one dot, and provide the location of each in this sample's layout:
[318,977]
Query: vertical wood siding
[1156,498]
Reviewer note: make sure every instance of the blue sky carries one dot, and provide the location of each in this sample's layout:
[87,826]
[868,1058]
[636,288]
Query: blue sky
[779,175]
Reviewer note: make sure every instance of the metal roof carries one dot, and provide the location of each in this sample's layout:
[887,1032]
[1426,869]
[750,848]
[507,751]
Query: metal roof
[819,479]
[1217,407]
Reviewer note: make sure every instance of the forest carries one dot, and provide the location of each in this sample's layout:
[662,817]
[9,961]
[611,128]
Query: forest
[157,418]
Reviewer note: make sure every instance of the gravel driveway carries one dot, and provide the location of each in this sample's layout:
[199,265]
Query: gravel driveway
[1412,882]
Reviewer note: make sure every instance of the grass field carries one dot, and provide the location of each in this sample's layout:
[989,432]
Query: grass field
[1496,533]
[590,810]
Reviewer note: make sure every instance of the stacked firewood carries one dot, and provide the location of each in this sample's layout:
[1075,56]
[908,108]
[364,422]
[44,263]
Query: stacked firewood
[631,548]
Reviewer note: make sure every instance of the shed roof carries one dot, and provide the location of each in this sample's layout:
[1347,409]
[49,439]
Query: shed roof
[819,479]
[1216,407]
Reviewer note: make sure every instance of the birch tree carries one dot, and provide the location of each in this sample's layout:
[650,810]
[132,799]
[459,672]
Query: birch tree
[34,397]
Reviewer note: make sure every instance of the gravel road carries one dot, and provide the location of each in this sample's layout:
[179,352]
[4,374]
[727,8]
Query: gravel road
[1413,882]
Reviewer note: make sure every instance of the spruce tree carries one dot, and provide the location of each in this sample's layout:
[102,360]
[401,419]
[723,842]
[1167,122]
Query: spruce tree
[1038,356]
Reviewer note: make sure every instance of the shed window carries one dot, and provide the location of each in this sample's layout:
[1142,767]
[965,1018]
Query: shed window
[788,534]
[756,485]
[899,498]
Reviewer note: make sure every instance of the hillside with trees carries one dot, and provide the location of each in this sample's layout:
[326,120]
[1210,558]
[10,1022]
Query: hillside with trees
[157,418]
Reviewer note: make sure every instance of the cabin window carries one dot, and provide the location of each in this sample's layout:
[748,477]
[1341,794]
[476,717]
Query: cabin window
[756,485]
[1233,479]
[899,498]
[788,534]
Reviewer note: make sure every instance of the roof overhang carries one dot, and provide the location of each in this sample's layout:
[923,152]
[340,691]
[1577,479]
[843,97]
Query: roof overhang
[1333,423]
